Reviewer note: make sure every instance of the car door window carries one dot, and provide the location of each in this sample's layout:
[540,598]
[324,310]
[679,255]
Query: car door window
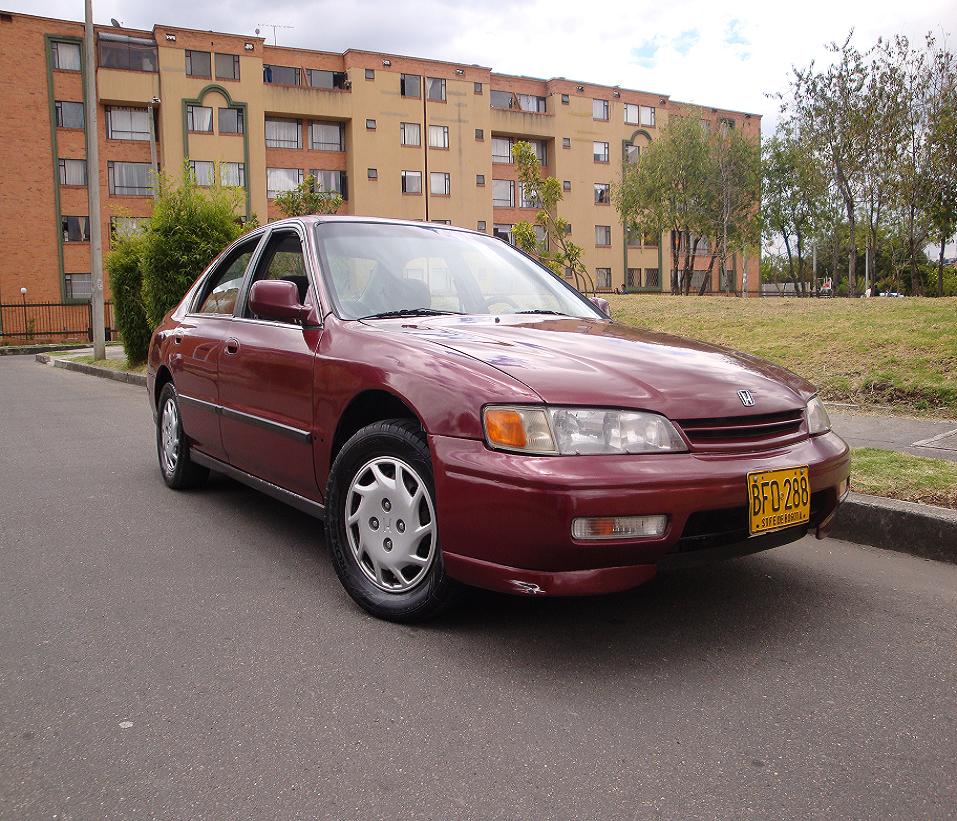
[283,259]
[222,286]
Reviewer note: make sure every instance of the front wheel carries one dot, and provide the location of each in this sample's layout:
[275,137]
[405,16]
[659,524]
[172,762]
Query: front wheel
[179,471]
[382,526]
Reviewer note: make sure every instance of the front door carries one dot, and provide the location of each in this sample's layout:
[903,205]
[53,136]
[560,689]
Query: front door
[266,380]
[197,346]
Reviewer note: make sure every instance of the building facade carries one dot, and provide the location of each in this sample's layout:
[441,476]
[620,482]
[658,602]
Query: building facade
[397,136]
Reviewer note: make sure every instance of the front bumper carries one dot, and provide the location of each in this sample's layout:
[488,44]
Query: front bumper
[506,518]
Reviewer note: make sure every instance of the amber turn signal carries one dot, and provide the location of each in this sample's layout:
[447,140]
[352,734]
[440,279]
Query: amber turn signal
[504,428]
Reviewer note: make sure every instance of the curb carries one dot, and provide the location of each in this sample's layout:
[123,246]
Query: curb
[926,531]
[17,350]
[94,370]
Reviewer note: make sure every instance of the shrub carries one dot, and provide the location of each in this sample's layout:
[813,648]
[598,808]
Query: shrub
[308,198]
[126,285]
[189,227]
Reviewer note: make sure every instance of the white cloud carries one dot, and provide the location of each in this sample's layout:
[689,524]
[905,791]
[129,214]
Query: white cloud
[729,55]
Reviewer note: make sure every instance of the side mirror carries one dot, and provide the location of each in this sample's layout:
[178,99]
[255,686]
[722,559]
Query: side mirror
[601,304]
[277,299]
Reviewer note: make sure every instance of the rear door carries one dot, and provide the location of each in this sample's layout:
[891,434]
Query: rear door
[198,344]
[266,378]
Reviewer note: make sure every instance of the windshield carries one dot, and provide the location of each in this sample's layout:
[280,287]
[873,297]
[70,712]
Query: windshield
[383,269]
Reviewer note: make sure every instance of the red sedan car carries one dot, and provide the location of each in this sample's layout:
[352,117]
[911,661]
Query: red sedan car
[460,415]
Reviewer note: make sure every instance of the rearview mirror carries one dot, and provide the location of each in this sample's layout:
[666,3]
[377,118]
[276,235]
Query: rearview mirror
[277,299]
[601,304]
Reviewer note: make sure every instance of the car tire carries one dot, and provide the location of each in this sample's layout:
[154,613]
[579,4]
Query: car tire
[381,524]
[172,447]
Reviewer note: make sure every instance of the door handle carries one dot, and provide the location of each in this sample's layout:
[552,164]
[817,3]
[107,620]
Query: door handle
[232,345]
[177,339]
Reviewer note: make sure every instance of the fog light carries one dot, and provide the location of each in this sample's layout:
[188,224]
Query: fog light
[618,527]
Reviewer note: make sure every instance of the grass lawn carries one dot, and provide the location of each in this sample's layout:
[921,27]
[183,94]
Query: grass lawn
[112,364]
[900,353]
[903,476]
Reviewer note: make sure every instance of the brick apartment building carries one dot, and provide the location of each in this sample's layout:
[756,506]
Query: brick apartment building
[397,136]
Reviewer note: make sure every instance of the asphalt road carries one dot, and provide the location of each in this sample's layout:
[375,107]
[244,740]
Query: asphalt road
[191,655]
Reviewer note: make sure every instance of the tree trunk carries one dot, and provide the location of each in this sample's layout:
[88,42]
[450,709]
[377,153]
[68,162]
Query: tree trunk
[916,286]
[707,280]
[940,267]
[851,253]
[675,240]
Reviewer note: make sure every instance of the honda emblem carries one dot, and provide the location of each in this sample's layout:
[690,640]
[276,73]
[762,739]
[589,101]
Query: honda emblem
[746,398]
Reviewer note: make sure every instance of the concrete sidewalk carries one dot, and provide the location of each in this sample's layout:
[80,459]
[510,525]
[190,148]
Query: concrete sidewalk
[922,437]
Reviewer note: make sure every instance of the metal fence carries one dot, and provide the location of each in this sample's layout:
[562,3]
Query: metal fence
[26,323]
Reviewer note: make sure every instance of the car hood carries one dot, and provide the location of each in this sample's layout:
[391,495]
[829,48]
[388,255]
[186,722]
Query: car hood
[600,363]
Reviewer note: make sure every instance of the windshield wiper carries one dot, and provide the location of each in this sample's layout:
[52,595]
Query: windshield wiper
[542,311]
[408,312]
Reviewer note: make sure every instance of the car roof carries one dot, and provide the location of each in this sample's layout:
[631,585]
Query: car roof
[316,219]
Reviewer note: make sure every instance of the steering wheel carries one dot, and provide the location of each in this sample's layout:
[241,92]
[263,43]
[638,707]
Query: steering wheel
[501,300]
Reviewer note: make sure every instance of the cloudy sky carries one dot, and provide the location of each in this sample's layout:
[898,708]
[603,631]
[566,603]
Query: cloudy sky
[727,54]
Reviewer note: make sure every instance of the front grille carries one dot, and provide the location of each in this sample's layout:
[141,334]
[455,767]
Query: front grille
[715,528]
[740,432]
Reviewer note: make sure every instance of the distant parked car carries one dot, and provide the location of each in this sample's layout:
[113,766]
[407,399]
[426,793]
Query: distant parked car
[460,415]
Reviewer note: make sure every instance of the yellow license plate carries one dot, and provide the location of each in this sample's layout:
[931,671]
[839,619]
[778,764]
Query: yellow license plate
[778,499]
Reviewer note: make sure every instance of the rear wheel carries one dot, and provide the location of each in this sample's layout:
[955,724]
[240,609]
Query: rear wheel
[172,448]
[382,525]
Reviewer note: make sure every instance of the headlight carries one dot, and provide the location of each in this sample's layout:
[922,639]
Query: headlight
[569,431]
[817,419]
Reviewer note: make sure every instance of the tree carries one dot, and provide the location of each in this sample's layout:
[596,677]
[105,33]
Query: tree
[189,227]
[670,190]
[126,286]
[308,198]
[550,243]
[794,200]
[942,202]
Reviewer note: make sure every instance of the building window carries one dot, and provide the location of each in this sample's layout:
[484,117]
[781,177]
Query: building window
[477,88]
[69,115]
[441,222]
[410,134]
[227,66]
[281,75]
[652,278]
[319,78]
[326,137]
[602,235]
[130,179]
[519,102]
[599,109]
[197,63]
[124,123]
[480,134]
[72,172]
[440,182]
[632,278]
[438,136]
[725,125]
[631,153]
[631,115]
[502,150]
[632,237]
[480,180]
[501,99]
[75,229]
[532,103]
[232,121]
[503,193]
[332,181]
[283,133]
[232,174]
[372,173]
[78,286]
[602,193]
[566,142]
[603,278]
[435,88]
[482,225]
[199,118]
[370,125]
[411,182]
[279,180]
[409,85]
[66,56]
[123,227]
[538,146]
[131,53]
[649,240]
[370,73]
[526,198]
[646,115]
[600,151]
[564,99]
[204,171]
[568,228]
[503,231]
[566,185]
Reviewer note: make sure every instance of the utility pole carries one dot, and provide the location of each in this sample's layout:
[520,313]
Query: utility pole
[93,191]
[150,108]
